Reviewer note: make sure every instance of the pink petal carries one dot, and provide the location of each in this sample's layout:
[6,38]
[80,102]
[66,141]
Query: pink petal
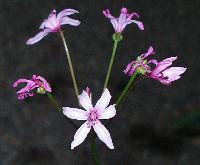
[139,24]
[75,113]
[128,67]
[37,37]
[21,81]
[108,113]
[107,14]
[69,21]
[103,134]
[85,101]
[174,72]
[66,12]
[45,83]
[80,135]
[103,102]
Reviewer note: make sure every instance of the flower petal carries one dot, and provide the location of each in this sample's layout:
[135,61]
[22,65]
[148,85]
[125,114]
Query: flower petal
[75,113]
[103,134]
[66,12]
[37,37]
[69,21]
[85,100]
[108,112]
[45,83]
[173,73]
[80,135]
[103,102]
[139,24]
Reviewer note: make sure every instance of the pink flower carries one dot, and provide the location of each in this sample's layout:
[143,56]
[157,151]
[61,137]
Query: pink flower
[92,115]
[141,63]
[36,82]
[124,19]
[53,24]
[166,74]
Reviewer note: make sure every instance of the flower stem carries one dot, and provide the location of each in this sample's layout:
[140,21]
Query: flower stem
[111,63]
[124,92]
[70,65]
[58,107]
[94,151]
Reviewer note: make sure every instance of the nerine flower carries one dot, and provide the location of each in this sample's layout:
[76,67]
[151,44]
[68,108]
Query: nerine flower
[124,19]
[53,24]
[36,82]
[140,63]
[92,115]
[166,74]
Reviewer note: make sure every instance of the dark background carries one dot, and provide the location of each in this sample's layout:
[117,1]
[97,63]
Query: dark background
[144,131]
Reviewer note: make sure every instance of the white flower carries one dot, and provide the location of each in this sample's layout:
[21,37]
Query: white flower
[92,115]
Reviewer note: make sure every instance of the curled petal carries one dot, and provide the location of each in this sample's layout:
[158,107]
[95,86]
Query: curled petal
[75,113]
[139,24]
[45,84]
[80,135]
[103,102]
[66,12]
[128,67]
[37,37]
[85,101]
[108,113]
[107,14]
[21,81]
[69,21]
[103,134]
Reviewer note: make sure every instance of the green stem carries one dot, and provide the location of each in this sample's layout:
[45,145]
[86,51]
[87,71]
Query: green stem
[58,107]
[70,65]
[94,151]
[54,101]
[111,63]
[124,92]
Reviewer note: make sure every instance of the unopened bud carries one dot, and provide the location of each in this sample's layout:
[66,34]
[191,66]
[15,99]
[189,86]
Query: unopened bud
[41,90]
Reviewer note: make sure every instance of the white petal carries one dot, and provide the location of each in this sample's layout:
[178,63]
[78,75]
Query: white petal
[103,102]
[103,134]
[37,37]
[80,135]
[108,112]
[85,100]
[75,113]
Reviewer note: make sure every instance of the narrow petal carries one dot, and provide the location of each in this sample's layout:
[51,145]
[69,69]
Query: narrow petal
[108,113]
[85,101]
[80,135]
[139,24]
[103,102]
[75,113]
[21,81]
[128,67]
[103,134]
[37,37]
[69,21]
[66,12]
[107,14]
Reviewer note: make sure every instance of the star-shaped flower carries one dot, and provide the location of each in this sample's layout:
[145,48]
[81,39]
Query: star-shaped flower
[92,115]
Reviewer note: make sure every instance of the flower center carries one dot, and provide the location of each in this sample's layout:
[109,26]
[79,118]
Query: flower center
[92,117]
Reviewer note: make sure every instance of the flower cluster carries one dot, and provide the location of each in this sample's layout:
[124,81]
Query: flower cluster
[161,71]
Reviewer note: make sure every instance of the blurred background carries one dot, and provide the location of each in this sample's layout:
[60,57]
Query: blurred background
[145,130]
